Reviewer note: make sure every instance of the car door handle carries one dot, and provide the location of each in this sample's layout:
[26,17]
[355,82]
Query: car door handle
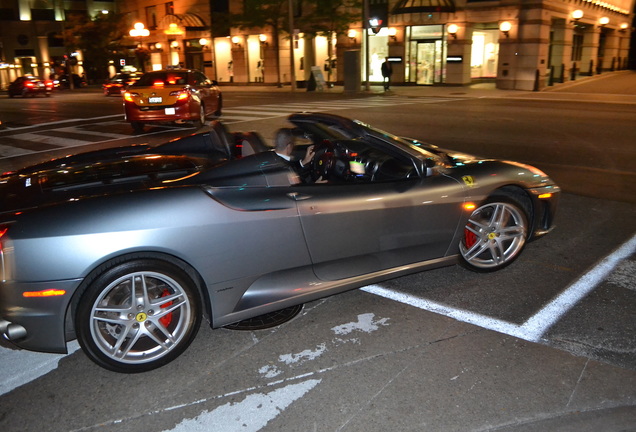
[298,196]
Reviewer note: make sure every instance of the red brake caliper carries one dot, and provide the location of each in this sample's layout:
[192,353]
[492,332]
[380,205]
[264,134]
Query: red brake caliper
[469,238]
[167,319]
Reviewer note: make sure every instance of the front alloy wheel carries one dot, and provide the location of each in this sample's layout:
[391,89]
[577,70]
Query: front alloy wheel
[494,235]
[138,316]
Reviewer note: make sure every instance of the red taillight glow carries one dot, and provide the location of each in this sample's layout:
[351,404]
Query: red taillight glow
[44,293]
[128,97]
[183,96]
[28,84]
[158,84]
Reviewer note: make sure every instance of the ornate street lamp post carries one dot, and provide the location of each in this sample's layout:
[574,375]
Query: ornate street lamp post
[139,31]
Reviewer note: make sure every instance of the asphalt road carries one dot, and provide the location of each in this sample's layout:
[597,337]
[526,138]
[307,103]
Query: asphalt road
[546,344]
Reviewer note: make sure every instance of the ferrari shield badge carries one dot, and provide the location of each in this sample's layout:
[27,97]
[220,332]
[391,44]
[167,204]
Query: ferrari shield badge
[470,182]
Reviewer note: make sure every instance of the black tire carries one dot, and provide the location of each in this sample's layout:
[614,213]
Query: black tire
[219,106]
[200,122]
[138,127]
[137,333]
[495,234]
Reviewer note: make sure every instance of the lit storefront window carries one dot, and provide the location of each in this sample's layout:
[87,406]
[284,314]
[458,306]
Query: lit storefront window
[484,54]
[255,59]
[224,63]
[378,52]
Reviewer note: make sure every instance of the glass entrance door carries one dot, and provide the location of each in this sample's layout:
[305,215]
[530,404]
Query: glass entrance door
[429,62]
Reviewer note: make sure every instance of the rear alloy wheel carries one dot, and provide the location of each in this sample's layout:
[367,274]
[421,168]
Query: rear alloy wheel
[494,235]
[138,316]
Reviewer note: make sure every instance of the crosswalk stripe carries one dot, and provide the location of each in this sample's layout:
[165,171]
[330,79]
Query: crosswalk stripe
[258,112]
[96,133]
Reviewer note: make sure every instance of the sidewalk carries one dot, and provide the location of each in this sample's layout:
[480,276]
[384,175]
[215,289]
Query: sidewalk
[566,90]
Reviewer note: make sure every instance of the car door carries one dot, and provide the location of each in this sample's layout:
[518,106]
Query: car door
[354,229]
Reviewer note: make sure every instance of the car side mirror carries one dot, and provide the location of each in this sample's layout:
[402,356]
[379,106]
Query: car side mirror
[214,83]
[429,164]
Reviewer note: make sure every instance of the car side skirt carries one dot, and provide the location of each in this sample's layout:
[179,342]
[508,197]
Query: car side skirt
[283,289]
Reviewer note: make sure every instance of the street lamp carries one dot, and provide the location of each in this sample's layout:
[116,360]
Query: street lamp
[139,31]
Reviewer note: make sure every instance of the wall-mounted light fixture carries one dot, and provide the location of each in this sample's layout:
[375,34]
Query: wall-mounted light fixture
[158,46]
[263,39]
[505,27]
[393,34]
[623,27]
[576,16]
[175,45]
[205,44]
[352,34]
[236,41]
[603,21]
[452,30]
[173,29]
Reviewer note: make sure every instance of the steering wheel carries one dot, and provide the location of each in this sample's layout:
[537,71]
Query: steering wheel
[324,160]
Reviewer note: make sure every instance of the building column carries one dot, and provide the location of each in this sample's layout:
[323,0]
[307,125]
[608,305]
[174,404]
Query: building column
[458,55]
[525,51]
[611,56]
[561,50]
[589,55]
[239,61]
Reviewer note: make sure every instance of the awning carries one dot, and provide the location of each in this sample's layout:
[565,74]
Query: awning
[187,21]
[423,6]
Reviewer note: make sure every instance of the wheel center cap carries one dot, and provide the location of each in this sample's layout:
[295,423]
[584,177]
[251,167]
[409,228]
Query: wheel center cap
[141,317]
[492,236]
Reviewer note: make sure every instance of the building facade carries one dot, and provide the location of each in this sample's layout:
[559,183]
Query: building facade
[31,35]
[519,44]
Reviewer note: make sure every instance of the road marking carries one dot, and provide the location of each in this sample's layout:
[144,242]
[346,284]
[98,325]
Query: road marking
[251,414]
[64,121]
[538,324]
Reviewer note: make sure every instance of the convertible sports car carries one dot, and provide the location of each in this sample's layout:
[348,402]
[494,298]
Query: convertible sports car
[127,249]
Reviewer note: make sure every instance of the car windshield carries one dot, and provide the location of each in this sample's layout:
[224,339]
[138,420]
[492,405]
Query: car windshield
[163,79]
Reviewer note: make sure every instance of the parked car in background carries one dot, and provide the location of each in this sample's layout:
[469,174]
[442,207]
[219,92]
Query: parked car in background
[120,82]
[78,81]
[127,249]
[29,85]
[172,95]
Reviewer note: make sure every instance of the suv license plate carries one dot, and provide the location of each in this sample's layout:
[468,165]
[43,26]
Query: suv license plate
[170,111]
[155,99]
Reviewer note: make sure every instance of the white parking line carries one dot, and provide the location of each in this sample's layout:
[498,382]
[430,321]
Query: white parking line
[537,325]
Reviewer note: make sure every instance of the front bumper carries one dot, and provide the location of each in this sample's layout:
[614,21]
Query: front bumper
[545,200]
[41,318]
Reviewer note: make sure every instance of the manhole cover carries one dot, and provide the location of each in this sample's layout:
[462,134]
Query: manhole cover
[267,320]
